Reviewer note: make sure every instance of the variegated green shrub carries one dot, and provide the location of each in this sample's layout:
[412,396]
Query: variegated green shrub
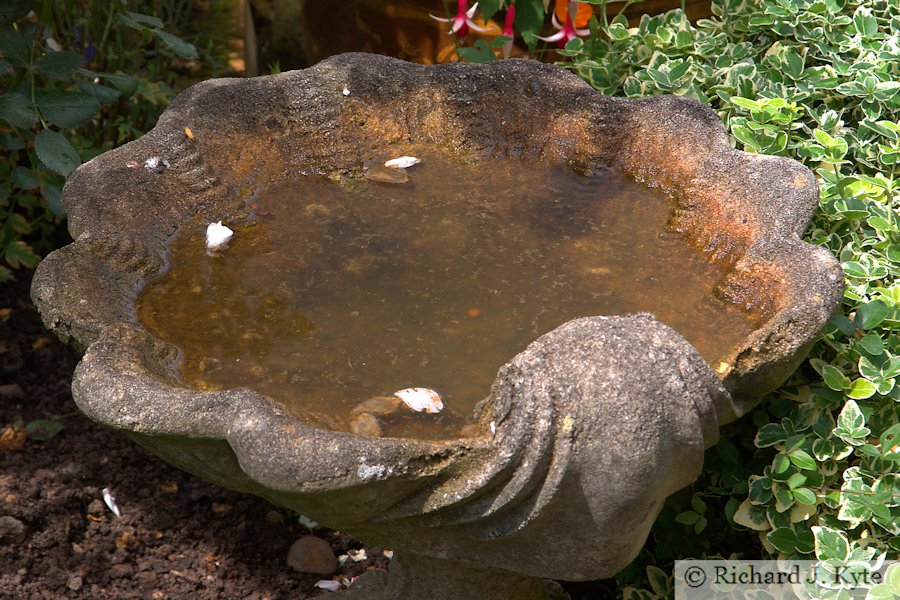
[816,80]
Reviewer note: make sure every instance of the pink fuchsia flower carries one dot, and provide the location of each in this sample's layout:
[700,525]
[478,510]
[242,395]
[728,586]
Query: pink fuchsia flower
[508,29]
[568,31]
[462,22]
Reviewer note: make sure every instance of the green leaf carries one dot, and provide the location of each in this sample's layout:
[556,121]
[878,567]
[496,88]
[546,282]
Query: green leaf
[796,480]
[12,10]
[802,460]
[830,544]
[59,65]
[688,517]
[806,543]
[176,44]
[760,491]
[129,22]
[684,39]
[804,496]
[864,23]
[851,417]
[19,254]
[24,178]
[52,194]
[870,315]
[489,7]
[784,539]
[16,110]
[834,378]
[856,501]
[883,591]
[55,151]
[632,593]
[618,32]
[14,47]
[698,504]
[43,429]
[146,20]
[780,464]
[861,389]
[769,435]
[126,84]
[18,223]
[10,141]
[529,19]
[747,137]
[103,94]
[823,138]
[67,109]
[700,525]
[481,52]
[752,517]
[871,344]
[659,580]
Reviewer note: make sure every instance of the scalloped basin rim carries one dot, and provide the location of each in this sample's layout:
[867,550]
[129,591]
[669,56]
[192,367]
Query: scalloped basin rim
[748,209]
[484,497]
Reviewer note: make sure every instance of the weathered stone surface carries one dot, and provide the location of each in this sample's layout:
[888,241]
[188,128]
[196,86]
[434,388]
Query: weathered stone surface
[584,433]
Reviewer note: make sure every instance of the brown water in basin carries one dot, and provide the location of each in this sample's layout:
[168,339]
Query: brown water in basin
[334,294]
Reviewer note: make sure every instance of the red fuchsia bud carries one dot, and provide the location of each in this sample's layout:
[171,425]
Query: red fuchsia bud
[460,26]
[510,19]
[508,29]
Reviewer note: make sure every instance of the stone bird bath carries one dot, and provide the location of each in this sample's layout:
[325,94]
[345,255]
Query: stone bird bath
[583,434]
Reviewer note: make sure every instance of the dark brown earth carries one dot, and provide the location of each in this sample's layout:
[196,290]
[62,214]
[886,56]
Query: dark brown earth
[177,536]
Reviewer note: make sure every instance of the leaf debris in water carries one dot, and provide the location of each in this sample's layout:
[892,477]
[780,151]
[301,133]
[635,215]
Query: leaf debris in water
[403,162]
[218,236]
[421,399]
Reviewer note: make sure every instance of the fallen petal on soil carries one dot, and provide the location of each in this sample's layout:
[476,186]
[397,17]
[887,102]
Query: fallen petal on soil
[328,584]
[110,502]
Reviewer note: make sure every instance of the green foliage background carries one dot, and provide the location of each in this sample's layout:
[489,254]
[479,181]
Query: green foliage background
[816,80]
[77,79]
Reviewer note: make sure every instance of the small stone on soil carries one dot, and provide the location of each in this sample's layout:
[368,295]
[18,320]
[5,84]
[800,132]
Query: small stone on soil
[96,507]
[310,554]
[12,530]
[121,571]
[74,583]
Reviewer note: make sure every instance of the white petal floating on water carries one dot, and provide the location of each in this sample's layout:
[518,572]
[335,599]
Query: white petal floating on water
[328,584]
[217,236]
[421,399]
[111,502]
[404,162]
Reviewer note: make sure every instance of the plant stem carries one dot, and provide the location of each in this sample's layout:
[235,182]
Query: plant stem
[106,28]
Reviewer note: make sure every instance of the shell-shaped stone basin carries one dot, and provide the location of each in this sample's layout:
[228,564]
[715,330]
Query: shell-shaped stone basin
[583,433]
